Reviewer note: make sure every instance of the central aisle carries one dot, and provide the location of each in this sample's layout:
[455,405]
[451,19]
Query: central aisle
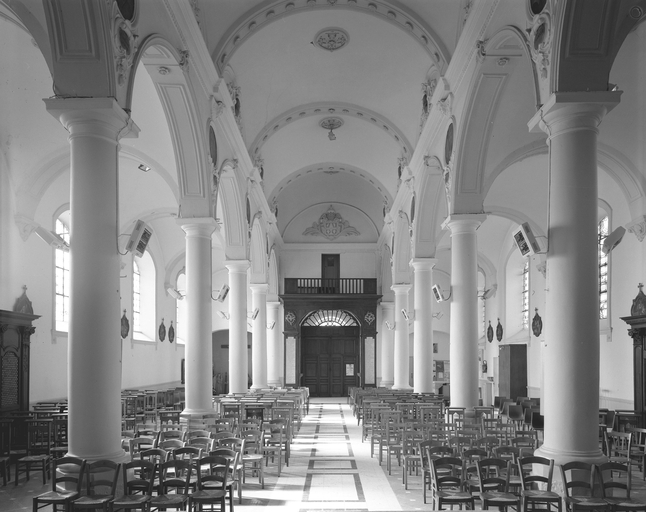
[329,469]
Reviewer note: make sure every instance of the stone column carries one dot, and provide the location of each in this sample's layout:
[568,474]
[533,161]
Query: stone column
[94,342]
[199,324]
[238,358]
[259,339]
[571,402]
[387,344]
[274,339]
[463,352]
[401,351]
[423,333]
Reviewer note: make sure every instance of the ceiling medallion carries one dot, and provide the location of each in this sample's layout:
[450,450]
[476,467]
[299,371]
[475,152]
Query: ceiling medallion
[331,123]
[331,39]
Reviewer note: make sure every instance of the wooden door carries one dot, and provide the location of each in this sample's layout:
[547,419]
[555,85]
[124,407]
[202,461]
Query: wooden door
[330,272]
[512,360]
[330,359]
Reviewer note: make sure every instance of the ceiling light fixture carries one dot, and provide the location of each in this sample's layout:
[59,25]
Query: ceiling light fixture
[143,167]
[331,123]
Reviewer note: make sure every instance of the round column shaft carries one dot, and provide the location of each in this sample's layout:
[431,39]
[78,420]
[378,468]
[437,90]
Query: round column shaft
[463,351]
[387,344]
[94,341]
[199,345]
[571,402]
[259,339]
[401,349]
[274,372]
[423,333]
[238,356]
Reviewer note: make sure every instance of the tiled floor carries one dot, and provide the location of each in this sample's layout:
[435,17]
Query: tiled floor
[330,469]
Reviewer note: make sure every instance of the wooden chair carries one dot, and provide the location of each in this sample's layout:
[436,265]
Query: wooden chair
[638,448]
[39,444]
[174,481]
[5,450]
[66,487]
[580,476]
[618,446]
[447,487]
[493,478]
[232,481]
[212,482]
[138,478]
[253,458]
[616,486]
[101,479]
[536,488]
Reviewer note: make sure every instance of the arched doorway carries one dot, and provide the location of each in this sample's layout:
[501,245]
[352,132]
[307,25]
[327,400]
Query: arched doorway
[330,352]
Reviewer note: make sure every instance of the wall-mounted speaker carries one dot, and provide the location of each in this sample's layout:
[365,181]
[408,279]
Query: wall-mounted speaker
[525,240]
[52,238]
[613,239]
[139,238]
[222,294]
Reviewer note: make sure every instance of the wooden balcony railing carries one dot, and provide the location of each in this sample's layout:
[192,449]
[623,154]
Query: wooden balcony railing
[344,286]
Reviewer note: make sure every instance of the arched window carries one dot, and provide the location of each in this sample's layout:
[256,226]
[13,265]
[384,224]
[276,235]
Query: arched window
[62,274]
[525,295]
[602,233]
[181,311]
[143,298]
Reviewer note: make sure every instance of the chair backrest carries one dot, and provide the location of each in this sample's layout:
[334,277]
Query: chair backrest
[233,443]
[538,421]
[175,476]
[252,440]
[165,435]
[528,476]
[39,437]
[102,477]
[138,477]
[197,433]
[213,469]
[615,479]
[71,479]
[487,443]
[5,437]
[171,444]
[578,477]
[205,443]
[154,455]
[618,444]
[232,455]
[506,452]
[515,412]
[138,444]
[452,474]
[493,473]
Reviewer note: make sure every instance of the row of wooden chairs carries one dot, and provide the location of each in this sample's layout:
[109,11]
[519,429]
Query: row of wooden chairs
[146,485]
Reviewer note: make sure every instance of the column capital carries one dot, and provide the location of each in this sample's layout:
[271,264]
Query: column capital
[463,222]
[423,263]
[401,289]
[565,111]
[259,288]
[103,113]
[237,266]
[198,226]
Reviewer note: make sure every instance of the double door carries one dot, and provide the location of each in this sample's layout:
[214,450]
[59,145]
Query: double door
[330,359]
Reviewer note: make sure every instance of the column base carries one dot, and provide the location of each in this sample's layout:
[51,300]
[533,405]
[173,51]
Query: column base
[259,386]
[386,384]
[561,457]
[402,387]
[274,383]
[192,419]
[118,456]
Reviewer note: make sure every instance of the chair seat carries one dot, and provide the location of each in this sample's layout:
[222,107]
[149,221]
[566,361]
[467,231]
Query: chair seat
[588,502]
[498,497]
[34,458]
[57,497]
[205,495]
[168,500]
[543,495]
[621,503]
[454,495]
[131,501]
[94,500]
